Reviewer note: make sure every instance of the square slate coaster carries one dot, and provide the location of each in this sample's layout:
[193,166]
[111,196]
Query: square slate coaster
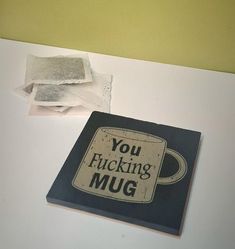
[131,170]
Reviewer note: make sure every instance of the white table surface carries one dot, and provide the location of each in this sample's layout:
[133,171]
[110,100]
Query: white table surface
[33,149]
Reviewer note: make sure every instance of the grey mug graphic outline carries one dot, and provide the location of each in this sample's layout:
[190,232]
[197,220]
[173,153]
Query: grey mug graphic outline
[157,147]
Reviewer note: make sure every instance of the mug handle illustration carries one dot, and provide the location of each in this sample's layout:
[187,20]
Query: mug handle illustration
[179,174]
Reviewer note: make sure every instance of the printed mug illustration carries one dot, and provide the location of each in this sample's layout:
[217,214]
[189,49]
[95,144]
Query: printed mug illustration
[125,165]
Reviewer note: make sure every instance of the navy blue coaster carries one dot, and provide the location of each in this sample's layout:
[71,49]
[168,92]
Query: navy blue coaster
[131,170]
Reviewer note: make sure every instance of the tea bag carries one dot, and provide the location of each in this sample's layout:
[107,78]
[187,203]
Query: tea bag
[58,108]
[58,70]
[36,110]
[94,95]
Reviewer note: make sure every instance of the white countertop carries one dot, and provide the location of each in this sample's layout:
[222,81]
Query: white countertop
[34,148]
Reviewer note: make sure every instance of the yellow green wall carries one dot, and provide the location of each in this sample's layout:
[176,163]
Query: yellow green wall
[196,33]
